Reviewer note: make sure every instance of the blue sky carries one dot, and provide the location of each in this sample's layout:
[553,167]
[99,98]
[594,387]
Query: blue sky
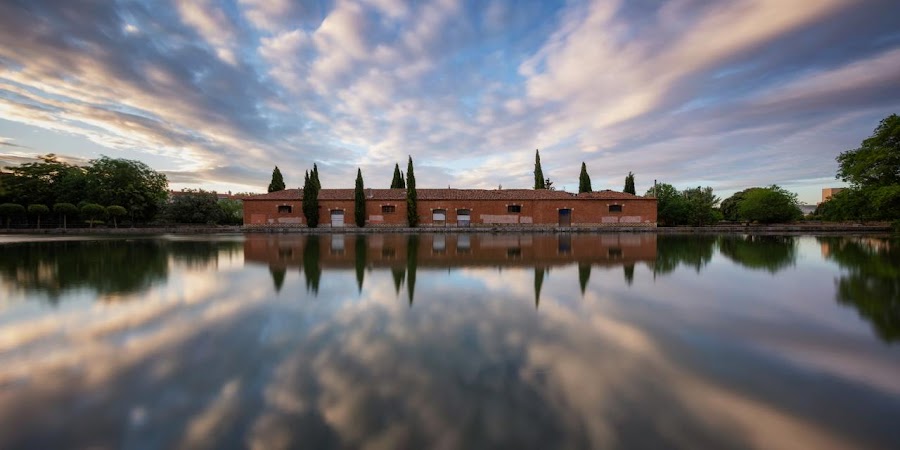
[724,93]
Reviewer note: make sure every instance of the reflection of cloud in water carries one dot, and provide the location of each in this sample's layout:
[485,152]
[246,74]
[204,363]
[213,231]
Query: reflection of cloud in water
[215,359]
[457,375]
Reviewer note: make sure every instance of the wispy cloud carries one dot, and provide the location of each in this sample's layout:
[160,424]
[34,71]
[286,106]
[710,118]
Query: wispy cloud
[683,91]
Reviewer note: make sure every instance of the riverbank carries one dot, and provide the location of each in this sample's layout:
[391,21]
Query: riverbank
[801,228]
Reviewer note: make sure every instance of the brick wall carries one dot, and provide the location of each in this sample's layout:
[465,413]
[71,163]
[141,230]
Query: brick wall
[584,212]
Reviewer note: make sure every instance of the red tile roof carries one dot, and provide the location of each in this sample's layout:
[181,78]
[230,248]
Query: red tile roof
[449,194]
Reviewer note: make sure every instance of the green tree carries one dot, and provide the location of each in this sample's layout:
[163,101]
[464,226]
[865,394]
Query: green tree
[194,206]
[729,206]
[10,210]
[873,171]
[116,211]
[412,213]
[397,182]
[876,162]
[768,205]
[232,211]
[314,176]
[539,182]
[359,200]
[65,210]
[584,180]
[277,183]
[629,184]
[671,208]
[310,201]
[128,183]
[701,206]
[38,210]
[44,182]
[93,212]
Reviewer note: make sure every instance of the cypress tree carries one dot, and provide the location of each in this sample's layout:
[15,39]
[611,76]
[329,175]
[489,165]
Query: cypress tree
[538,173]
[310,201]
[584,180]
[397,182]
[402,180]
[315,178]
[629,184]
[277,183]
[359,200]
[412,214]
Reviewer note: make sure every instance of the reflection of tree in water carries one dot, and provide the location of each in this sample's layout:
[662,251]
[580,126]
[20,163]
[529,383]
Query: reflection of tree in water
[201,254]
[692,251]
[399,275]
[106,266]
[278,274]
[584,274]
[771,253]
[629,273]
[360,254]
[113,266]
[539,274]
[412,254]
[872,281]
[312,272]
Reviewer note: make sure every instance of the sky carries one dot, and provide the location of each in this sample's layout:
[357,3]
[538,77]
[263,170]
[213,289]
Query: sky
[723,93]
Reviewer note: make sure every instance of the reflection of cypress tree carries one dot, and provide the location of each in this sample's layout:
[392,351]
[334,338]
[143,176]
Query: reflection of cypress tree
[538,282]
[872,284]
[360,260]
[200,254]
[278,274]
[693,251]
[629,274]
[771,253]
[311,270]
[104,266]
[399,275]
[584,274]
[412,252]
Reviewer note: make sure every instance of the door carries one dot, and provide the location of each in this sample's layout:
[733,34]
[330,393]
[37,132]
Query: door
[337,217]
[463,217]
[565,217]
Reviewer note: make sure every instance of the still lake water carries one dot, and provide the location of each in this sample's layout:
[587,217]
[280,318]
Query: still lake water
[450,341]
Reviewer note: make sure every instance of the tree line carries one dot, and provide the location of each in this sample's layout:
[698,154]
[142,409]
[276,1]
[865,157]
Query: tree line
[873,171]
[105,191]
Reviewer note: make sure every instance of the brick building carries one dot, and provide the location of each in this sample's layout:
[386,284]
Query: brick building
[457,208]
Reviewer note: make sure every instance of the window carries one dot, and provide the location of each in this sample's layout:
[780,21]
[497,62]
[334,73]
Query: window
[615,208]
[514,209]
[514,253]
[284,209]
[388,253]
[388,209]
[438,215]
[614,253]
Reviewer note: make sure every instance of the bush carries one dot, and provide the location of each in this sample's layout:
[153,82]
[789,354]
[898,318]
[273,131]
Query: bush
[769,205]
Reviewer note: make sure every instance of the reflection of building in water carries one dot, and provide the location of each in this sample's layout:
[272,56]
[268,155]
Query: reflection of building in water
[448,250]
[405,254]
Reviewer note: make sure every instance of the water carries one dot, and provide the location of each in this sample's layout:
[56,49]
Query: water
[445,341]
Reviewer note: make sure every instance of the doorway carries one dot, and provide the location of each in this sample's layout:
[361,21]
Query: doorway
[565,217]
[337,217]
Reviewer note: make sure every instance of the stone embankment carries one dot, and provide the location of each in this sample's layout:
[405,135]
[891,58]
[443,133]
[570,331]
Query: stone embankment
[805,227]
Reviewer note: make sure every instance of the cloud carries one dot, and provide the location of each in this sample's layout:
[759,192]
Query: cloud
[623,86]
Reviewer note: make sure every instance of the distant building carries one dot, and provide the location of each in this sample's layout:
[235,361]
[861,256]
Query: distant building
[828,192]
[457,208]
